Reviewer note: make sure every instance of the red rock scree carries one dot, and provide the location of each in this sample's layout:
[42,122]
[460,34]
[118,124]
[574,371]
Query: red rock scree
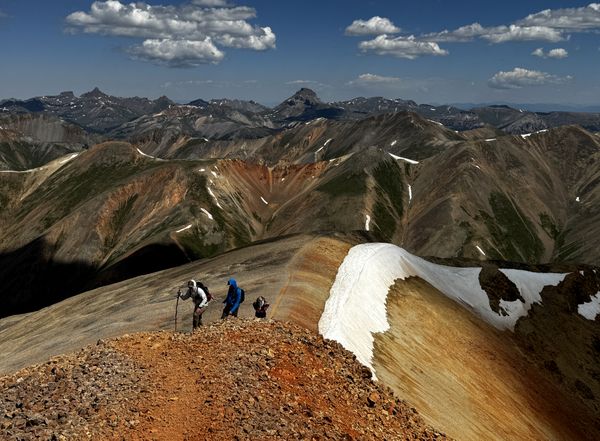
[234,380]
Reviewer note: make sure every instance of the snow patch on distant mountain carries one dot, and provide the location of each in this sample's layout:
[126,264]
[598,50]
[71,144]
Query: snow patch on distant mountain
[184,229]
[214,197]
[70,158]
[210,216]
[410,161]
[374,268]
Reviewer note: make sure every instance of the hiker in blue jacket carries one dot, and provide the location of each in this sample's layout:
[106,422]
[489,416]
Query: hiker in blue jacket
[233,299]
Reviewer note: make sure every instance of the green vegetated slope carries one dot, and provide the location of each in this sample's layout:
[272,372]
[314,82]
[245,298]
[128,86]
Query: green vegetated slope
[531,199]
[110,213]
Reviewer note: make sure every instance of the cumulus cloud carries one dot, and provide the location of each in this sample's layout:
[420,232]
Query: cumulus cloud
[373,26]
[178,53]
[548,25]
[401,47]
[539,52]
[585,18]
[552,53]
[183,36]
[551,25]
[559,52]
[520,77]
[496,34]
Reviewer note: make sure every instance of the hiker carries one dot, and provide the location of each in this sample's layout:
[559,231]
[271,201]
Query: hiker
[200,299]
[235,296]
[260,307]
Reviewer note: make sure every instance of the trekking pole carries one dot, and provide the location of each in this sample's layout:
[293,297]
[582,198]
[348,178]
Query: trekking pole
[177,308]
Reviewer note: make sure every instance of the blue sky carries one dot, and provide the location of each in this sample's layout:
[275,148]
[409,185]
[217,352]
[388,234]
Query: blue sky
[265,50]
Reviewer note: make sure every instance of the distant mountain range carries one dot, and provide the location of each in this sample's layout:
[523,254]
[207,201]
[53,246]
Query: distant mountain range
[125,118]
[534,107]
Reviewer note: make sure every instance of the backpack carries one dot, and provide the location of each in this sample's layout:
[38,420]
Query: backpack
[204,288]
[242,295]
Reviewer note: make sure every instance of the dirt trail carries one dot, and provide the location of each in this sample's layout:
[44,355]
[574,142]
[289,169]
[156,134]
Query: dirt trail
[260,380]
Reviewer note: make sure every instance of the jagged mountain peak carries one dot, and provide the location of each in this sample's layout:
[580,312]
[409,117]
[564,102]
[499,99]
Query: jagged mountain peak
[306,96]
[95,93]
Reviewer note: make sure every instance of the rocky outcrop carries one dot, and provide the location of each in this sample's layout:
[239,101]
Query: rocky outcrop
[236,379]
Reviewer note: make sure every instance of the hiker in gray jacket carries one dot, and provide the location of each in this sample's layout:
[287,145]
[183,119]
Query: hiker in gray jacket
[200,300]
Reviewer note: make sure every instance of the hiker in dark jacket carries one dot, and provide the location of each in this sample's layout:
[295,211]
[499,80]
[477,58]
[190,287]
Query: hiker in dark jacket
[233,299]
[260,307]
[200,300]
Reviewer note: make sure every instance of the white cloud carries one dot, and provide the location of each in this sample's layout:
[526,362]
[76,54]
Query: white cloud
[210,3]
[503,34]
[520,77]
[178,53]
[263,39]
[539,52]
[184,35]
[551,25]
[308,83]
[401,47]
[496,34]
[300,82]
[553,53]
[373,26]
[368,78]
[558,53]
[585,18]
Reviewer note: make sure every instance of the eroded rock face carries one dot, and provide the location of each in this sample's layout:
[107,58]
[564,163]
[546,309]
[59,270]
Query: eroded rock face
[236,379]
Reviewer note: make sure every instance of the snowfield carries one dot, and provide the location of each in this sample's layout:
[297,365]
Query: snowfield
[591,309]
[210,192]
[410,161]
[373,268]
[70,158]
[145,154]
[205,211]
[184,229]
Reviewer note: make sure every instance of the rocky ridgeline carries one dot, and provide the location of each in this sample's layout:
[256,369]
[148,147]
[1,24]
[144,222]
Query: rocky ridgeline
[85,395]
[238,379]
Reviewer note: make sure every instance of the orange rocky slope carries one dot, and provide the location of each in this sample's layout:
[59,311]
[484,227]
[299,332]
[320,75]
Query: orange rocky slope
[238,379]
